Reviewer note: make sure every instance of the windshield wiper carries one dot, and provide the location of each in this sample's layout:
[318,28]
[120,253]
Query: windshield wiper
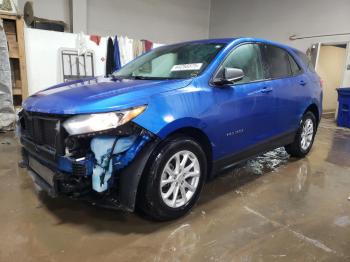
[114,77]
[147,78]
[154,78]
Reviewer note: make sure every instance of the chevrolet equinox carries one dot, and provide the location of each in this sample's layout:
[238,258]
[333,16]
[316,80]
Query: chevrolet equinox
[148,136]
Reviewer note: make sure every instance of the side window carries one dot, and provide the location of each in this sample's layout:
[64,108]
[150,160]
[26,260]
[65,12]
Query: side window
[248,58]
[294,66]
[276,61]
[306,61]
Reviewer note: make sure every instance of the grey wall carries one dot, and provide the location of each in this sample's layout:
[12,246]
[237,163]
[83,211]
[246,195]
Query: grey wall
[278,19]
[164,21]
[168,21]
[79,16]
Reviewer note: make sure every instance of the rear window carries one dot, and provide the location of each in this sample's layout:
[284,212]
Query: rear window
[306,61]
[294,66]
[277,62]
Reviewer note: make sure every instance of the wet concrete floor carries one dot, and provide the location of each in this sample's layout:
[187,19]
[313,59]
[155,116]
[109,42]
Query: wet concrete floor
[272,208]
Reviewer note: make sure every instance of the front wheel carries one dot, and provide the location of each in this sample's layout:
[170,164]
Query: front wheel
[173,180]
[304,137]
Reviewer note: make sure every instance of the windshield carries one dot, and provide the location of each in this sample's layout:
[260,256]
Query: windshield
[171,62]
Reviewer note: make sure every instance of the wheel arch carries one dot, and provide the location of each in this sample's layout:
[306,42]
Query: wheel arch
[192,127]
[197,135]
[201,138]
[313,108]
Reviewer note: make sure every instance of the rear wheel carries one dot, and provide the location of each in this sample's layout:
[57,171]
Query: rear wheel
[174,179]
[304,138]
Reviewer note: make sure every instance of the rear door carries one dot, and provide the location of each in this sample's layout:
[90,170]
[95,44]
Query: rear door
[287,80]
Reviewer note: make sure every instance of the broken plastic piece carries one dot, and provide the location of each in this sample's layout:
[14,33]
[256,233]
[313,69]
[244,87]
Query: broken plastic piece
[120,161]
[66,164]
[102,146]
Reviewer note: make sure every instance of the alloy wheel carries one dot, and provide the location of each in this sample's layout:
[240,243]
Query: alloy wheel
[180,179]
[307,134]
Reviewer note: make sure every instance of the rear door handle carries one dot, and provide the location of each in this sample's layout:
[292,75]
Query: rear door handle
[302,83]
[266,90]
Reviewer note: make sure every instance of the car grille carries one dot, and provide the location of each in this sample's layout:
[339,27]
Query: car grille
[43,130]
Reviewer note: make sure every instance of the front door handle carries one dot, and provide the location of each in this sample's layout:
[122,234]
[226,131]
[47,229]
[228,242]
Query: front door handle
[266,90]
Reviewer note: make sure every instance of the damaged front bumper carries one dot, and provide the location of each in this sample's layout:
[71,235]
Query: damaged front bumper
[106,170]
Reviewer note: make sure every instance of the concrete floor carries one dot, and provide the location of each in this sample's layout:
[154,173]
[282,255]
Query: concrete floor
[272,208]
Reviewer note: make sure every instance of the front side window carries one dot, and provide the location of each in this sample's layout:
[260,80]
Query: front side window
[248,58]
[276,61]
[171,62]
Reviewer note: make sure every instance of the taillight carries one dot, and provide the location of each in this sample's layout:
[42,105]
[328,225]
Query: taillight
[321,82]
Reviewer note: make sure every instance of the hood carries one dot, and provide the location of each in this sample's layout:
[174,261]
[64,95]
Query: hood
[96,95]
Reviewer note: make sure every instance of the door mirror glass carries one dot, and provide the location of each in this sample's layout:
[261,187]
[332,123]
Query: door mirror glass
[229,76]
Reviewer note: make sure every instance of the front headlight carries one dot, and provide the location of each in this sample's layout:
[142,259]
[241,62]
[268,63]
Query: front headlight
[82,124]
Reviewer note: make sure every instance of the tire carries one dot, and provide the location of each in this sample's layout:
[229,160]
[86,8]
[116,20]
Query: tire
[156,201]
[300,148]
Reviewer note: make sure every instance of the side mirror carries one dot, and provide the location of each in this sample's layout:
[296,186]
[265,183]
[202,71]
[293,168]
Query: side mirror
[230,76]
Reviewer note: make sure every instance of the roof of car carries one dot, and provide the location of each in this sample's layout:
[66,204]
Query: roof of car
[229,40]
[213,40]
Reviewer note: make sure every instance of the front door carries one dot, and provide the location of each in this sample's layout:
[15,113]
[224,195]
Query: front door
[246,107]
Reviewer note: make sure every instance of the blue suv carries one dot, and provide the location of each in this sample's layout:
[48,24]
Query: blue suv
[147,137]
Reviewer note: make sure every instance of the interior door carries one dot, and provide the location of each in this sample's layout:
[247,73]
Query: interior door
[245,112]
[330,67]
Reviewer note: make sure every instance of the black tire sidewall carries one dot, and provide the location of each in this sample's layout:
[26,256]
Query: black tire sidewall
[162,156]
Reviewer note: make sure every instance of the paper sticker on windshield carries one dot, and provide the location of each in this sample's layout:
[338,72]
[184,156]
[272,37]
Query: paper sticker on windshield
[186,67]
